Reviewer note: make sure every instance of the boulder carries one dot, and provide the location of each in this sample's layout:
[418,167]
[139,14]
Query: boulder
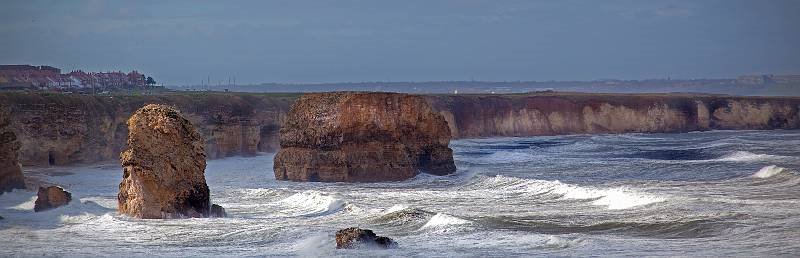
[51,197]
[217,211]
[163,167]
[362,137]
[350,238]
[10,170]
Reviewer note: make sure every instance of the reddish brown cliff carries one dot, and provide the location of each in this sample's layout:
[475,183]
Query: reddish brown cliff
[10,170]
[58,129]
[362,137]
[63,129]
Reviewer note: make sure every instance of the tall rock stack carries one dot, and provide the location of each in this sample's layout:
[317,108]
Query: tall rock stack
[362,137]
[164,166]
[10,170]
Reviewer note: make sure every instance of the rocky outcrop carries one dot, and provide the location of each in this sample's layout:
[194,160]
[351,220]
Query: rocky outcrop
[51,197]
[362,137]
[10,170]
[350,238]
[163,167]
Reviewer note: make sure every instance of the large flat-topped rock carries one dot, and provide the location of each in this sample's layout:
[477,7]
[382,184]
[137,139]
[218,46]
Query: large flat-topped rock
[362,137]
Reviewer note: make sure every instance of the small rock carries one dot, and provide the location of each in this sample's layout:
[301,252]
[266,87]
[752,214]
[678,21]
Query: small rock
[217,211]
[354,237]
[51,197]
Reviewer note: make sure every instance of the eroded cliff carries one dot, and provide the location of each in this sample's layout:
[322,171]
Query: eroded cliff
[10,170]
[578,113]
[62,129]
[57,129]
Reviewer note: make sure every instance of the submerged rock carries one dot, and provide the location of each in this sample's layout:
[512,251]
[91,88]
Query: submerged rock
[362,137]
[51,197]
[355,237]
[164,166]
[10,170]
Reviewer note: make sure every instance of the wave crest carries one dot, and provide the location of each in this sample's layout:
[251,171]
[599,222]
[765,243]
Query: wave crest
[744,156]
[612,198]
[312,203]
[769,171]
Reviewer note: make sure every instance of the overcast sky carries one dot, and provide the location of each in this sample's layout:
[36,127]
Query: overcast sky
[182,42]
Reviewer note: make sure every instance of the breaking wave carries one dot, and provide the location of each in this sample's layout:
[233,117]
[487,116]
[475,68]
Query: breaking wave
[768,171]
[745,156]
[312,203]
[612,198]
[444,221]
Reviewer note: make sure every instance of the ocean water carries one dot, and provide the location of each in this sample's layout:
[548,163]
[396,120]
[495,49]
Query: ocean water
[718,193]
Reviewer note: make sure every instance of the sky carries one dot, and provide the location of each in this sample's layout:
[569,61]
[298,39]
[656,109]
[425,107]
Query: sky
[184,42]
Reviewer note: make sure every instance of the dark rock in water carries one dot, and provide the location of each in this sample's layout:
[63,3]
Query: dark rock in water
[10,170]
[51,197]
[355,237]
[163,167]
[1,218]
[362,137]
[217,211]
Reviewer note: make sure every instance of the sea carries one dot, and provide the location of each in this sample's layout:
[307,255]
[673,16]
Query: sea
[715,193]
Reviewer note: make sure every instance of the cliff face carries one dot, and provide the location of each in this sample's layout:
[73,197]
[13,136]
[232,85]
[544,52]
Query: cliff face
[10,170]
[62,129]
[56,129]
[577,113]
[362,137]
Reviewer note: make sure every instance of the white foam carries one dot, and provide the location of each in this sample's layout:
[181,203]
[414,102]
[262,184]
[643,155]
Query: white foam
[395,208]
[441,220]
[612,198]
[560,242]
[743,156]
[768,171]
[312,203]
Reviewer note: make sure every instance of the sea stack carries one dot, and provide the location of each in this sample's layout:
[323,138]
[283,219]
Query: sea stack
[164,165]
[362,137]
[10,170]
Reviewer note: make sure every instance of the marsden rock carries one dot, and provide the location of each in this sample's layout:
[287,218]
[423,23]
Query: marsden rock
[10,170]
[362,137]
[51,197]
[163,167]
[355,237]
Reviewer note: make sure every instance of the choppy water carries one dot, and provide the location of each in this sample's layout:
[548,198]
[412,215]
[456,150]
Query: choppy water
[721,193]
